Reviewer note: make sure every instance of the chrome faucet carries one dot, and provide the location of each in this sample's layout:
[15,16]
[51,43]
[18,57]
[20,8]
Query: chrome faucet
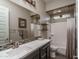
[14,44]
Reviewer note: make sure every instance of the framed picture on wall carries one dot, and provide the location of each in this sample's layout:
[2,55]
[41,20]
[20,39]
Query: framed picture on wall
[32,2]
[29,1]
[22,23]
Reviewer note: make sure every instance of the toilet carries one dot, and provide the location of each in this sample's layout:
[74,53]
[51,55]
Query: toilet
[53,51]
[53,47]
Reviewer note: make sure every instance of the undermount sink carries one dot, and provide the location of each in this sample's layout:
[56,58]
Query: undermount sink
[18,51]
[22,49]
[32,45]
[4,53]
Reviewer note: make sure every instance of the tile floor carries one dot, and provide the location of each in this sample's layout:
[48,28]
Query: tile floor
[59,57]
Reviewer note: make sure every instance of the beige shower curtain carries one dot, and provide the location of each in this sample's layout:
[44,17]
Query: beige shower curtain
[70,38]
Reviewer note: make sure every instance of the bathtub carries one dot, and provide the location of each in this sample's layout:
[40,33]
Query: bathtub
[62,51]
[58,49]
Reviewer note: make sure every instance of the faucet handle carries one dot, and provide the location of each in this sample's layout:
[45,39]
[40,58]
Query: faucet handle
[17,44]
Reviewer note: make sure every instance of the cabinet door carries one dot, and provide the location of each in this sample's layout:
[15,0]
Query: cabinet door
[36,56]
[45,52]
[48,52]
[44,56]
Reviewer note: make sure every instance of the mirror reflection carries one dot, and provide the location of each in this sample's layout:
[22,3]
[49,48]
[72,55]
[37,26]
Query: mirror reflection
[4,26]
[15,25]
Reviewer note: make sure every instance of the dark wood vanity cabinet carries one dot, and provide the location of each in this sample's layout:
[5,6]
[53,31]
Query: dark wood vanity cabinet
[33,55]
[48,52]
[36,55]
[41,53]
[45,52]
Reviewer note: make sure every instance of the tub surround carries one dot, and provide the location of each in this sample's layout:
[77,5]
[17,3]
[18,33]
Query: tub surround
[23,50]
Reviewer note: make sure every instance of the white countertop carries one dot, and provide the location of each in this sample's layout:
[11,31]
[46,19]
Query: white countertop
[23,50]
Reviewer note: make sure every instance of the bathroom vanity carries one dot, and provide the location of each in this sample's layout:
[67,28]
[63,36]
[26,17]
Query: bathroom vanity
[41,53]
[38,49]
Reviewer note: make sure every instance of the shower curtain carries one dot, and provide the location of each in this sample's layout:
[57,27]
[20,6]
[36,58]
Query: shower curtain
[70,38]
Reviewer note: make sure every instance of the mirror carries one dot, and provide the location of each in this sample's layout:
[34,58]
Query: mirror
[35,26]
[35,30]
[4,26]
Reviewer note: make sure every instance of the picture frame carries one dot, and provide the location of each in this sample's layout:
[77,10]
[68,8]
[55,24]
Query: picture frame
[32,2]
[22,23]
[29,1]
[44,27]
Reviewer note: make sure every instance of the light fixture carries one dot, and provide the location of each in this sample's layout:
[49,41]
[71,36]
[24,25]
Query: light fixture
[59,11]
[56,11]
[66,16]
[56,17]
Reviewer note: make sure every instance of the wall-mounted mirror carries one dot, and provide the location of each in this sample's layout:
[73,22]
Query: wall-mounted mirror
[35,26]
[4,26]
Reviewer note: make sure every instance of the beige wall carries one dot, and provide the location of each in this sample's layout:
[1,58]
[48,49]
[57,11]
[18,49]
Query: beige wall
[41,10]
[16,12]
[38,9]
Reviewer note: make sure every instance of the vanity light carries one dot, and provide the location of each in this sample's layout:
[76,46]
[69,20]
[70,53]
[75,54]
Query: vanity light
[56,11]
[32,2]
[62,16]
[66,16]
[59,11]
[56,17]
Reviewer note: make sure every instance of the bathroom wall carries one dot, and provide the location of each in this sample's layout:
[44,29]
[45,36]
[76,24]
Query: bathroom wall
[41,9]
[53,4]
[60,36]
[38,9]
[25,5]
[16,12]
